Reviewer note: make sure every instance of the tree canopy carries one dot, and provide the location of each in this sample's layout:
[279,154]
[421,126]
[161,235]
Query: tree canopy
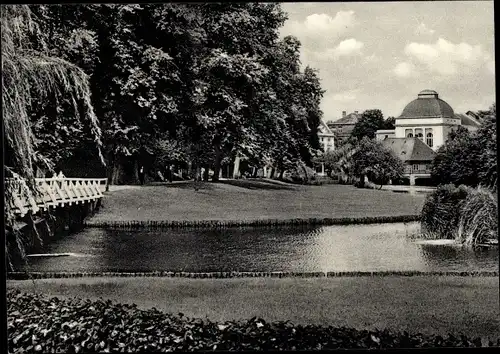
[371,120]
[214,80]
[469,158]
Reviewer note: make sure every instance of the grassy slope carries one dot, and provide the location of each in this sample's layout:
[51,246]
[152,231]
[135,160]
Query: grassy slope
[252,200]
[419,304]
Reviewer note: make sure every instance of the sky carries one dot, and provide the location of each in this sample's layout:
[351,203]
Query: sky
[380,55]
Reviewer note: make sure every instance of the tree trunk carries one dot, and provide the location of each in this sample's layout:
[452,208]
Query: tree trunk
[217,162]
[255,170]
[205,173]
[135,174]
[190,170]
[306,175]
[236,168]
[117,173]
[281,174]
[362,181]
[198,173]
[273,172]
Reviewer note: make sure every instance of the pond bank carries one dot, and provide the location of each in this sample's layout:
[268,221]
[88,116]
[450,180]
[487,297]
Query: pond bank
[165,224]
[227,275]
[429,304]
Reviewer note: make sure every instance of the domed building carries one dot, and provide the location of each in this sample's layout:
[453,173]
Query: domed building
[423,127]
[430,119]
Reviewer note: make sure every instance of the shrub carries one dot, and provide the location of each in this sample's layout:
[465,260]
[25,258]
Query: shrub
[40,324]
[478,220]
[466,214]
[441,210]
[301,174]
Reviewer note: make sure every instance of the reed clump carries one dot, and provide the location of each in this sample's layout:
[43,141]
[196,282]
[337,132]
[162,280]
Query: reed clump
[466,214]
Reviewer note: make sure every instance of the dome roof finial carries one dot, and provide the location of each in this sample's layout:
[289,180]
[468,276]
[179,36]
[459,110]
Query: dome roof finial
[428,94]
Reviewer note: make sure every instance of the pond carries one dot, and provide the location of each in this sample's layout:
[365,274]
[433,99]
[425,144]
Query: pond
[380,247]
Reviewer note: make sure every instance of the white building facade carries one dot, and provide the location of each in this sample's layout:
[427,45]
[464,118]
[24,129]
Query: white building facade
[327,141]
[326,137]
[429,119]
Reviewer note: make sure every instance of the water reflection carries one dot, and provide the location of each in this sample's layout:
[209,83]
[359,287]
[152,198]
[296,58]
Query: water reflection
[331,248]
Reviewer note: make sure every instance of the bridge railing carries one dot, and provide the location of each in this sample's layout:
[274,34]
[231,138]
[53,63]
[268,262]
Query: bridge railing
[58,191]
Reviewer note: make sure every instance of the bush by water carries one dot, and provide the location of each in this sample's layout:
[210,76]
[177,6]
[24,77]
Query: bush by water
[41,324]
[466,214]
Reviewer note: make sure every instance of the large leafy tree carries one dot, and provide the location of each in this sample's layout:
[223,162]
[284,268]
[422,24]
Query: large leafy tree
[469,158]
[234,89]
[371,120]
[378,163]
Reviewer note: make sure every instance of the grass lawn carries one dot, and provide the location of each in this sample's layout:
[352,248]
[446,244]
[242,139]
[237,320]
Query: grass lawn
[428,304]
[250,200]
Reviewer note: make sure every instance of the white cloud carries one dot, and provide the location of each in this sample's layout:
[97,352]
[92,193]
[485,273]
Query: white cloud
[323,23]
[320,28]
[405,70]
[447,58]
[423,30]
[348,47]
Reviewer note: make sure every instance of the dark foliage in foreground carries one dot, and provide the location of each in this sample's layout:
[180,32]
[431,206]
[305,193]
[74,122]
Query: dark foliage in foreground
[40,324]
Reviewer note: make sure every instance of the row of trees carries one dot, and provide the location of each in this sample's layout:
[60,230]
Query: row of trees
[196,84]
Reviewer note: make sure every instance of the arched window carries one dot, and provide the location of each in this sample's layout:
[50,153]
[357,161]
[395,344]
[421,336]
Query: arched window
[429,139]
[419,134]
[409,133]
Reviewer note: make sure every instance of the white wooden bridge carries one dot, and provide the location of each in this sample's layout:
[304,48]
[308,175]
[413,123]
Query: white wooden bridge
[58,192]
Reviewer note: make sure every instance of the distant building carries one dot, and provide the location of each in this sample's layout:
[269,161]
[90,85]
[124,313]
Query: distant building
[327,141]
[415,154]
[326,137]
[423,127]
[343,127]
[429,119]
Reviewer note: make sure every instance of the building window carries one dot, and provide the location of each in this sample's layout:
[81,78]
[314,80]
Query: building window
[429,139]
[409,133]
[419,134]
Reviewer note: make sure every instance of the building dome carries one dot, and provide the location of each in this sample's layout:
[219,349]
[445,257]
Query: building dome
[427,104]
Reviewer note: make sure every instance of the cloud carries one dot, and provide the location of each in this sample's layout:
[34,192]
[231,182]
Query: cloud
[348,47]
[423,30]
[320,28]
[446,58]
[323,23]
[405,70]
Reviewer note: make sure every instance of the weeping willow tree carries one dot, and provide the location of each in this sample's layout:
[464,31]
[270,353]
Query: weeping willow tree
[29,74]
